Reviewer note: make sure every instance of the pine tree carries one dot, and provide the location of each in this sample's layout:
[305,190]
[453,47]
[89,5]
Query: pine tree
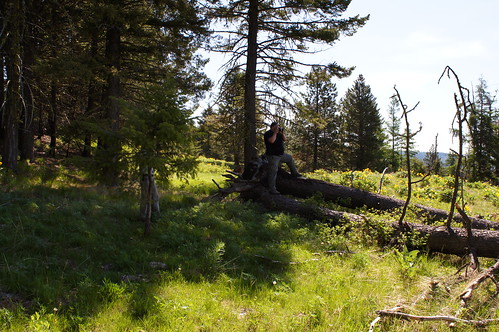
[263,37]
[81,60]
[225,124]
[140,45]
[432,159]
[394,137]
[11,45]
[316,123]
[483,135]
[362,128]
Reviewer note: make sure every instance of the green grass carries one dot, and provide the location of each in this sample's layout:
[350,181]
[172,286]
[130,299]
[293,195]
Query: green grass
[435,191]
[74,258]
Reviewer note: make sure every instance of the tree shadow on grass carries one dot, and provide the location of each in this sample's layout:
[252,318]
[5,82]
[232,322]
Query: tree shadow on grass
[66,247]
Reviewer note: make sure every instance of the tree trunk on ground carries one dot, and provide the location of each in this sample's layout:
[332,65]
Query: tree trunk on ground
[440,239]
[282,203]
[455,241]
[354,198]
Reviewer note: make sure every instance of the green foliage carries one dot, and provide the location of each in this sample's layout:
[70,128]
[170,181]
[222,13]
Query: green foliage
[80,78]
[408,261]
[6,317]
[222,129]
[363,180]
[316,124]
[283,39]
[435,191]
[111,291]
[484,135]
[157,132]
[394,136]
[362,128]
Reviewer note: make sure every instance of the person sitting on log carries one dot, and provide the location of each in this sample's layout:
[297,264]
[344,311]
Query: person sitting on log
[274,151]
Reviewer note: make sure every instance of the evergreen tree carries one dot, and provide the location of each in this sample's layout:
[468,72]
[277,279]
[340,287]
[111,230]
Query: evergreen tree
[158,134]
[362,128]
[144,44]
[224,126]
[394,137]
[11,46]
[483,135]
[263,36]
[316,123]
[204,135]
[81,60]
[432,159]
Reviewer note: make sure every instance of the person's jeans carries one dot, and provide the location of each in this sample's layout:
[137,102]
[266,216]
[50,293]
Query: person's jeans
[274,162]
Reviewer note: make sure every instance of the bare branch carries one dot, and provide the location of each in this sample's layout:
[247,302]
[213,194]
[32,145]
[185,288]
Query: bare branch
[477,323]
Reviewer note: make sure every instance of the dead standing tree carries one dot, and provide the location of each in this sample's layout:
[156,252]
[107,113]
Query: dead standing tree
[407,136]
[149,198]
[462,105]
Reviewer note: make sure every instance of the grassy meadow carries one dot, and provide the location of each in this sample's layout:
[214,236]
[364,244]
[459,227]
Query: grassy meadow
[74,258]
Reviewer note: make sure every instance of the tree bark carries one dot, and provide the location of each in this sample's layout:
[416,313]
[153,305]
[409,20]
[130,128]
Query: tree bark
[26,138]
[354,198]
[452,319]
[91,99]
[149,199]
[250,152]
[440,239]
[467,293]
[14,27]
[112,145]
[52,120]
[455,240]
[260,194]
[2,96]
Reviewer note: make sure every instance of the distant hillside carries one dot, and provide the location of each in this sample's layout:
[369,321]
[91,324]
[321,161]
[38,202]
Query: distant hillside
[443,156]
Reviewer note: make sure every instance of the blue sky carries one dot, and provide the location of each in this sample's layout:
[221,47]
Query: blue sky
[408,44]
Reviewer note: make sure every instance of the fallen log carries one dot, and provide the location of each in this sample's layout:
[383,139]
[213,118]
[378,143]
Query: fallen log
[440,239]
[455,240]
[261,195]
[354,198]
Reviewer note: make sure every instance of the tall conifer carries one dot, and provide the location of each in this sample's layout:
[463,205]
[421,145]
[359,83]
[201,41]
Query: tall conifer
[263,37]
[316,123]
[484,135]
[362,128]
